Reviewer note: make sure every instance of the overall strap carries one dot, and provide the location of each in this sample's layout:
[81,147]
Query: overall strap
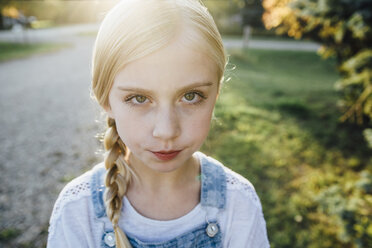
[97,190]
[213,182]
[213,185]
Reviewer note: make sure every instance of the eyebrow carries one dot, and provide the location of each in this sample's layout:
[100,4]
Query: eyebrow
[188,87]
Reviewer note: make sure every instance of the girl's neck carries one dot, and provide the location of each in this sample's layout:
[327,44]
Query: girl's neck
[166,196]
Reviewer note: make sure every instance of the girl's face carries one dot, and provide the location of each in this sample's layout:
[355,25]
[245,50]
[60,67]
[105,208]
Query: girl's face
[162,105]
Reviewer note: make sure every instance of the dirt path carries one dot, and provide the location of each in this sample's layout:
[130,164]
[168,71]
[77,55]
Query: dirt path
[46,136]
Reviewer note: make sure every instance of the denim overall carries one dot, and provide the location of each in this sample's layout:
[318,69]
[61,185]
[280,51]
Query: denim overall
[213,195]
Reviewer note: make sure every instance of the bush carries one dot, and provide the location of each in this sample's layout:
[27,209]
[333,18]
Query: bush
[344,28]
[331,200]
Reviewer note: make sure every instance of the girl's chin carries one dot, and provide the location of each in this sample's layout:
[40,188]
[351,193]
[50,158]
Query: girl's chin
[162,163]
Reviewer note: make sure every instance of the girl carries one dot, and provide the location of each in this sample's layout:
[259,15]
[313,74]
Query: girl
[158,66]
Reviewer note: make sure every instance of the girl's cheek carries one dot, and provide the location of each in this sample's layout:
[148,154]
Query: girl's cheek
[198,121]
[133,121]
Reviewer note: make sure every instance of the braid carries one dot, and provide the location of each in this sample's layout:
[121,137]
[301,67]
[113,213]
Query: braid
[117,180]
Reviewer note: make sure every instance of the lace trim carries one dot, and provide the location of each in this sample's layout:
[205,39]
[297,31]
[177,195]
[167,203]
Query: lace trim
[77,188]
[237,182]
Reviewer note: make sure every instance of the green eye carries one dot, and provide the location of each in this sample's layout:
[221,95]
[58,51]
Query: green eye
[141,99]
[190,96]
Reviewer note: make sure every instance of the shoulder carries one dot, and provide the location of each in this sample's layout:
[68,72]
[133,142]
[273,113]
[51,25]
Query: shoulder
[75,193]
[71,221]
[238,185]
[243,212]
[238,188]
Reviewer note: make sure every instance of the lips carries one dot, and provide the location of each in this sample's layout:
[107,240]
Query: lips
[166,155]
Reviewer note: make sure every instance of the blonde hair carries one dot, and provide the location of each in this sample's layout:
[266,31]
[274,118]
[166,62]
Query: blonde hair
[130,31]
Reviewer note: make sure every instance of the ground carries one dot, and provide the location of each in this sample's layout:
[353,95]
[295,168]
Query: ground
[47,135]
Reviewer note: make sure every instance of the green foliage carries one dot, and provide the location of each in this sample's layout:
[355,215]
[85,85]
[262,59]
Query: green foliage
[356,85]
[63,12]
[276,124]
[8,234]
[231,16]
[222,12]
[344,28]
[19,50]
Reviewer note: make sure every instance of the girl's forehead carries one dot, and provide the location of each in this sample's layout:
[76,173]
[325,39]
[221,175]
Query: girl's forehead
[176,64]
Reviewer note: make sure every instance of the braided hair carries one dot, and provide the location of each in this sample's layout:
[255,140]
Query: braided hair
[118,177]
[132,30]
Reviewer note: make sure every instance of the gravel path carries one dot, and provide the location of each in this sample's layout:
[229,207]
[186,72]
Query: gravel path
[47,136]
[48,127]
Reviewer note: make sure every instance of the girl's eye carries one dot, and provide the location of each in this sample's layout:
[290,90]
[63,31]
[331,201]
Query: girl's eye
[140,99]
[193,97]
[190,96]
[136,100]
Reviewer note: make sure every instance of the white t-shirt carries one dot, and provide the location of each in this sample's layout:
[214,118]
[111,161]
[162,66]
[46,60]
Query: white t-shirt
[73,222]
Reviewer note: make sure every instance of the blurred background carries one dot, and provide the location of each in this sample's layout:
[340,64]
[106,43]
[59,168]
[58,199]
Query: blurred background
[294,116]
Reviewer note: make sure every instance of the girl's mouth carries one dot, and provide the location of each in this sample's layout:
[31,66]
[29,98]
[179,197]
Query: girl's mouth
[166,155]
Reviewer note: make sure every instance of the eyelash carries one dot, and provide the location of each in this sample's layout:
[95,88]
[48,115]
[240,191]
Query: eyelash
[129,99]
[199,94]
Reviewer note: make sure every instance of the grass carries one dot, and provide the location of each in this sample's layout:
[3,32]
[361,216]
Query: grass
[274,95]
[10,51]
[8,234]
[277,120]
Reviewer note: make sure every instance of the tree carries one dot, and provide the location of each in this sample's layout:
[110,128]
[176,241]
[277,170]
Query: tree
[252,13]
[344,28]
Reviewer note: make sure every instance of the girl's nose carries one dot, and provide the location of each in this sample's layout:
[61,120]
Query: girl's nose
[166,126]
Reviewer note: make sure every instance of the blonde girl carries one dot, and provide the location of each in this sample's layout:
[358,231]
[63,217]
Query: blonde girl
[157,69]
